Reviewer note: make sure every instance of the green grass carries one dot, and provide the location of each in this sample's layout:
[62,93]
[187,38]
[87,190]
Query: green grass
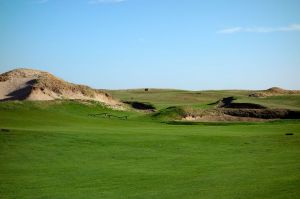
[55,150]
[164,98]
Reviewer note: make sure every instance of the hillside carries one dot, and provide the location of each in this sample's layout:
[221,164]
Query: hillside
[162,104]
[213,105]
[163,98]
[35,85]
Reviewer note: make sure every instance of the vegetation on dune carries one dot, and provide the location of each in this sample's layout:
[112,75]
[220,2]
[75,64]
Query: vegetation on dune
[59,86]
[274,91]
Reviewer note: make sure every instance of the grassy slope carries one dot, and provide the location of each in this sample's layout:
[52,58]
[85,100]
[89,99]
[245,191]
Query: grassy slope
[164,98]
[56,151]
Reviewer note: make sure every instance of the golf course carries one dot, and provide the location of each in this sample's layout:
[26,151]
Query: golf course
[76,149]
[149,99]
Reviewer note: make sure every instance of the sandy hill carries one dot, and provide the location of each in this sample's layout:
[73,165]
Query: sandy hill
[28,84]
[274,91]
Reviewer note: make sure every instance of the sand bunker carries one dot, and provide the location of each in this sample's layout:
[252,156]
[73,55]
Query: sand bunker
[226,110]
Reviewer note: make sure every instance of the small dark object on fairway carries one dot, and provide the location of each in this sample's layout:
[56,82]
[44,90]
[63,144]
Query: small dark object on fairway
[289,134]
[106,115]
[5,130]
[146,89]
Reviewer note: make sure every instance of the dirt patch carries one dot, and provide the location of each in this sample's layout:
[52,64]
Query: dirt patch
[245,115]
[218,115]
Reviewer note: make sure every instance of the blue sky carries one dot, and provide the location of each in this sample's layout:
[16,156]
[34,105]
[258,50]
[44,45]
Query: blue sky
[185,44]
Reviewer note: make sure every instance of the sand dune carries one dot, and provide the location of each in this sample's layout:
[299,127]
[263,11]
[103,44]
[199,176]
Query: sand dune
[28,84]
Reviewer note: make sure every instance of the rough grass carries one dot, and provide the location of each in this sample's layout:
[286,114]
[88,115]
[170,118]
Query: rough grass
[170,113]
[161,98]
[55,150]
[177,104]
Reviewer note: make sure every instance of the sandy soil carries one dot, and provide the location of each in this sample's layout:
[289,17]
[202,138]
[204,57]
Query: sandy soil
[27,84]
[220,117]
[7,88]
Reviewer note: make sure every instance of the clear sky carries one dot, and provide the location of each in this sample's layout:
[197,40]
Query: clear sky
[185,44]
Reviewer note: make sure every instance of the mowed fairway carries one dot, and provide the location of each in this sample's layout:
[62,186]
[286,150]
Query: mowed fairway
[55,150]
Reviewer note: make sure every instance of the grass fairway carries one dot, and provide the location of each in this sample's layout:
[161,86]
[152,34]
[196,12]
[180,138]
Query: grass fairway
[55,150]
[162,98]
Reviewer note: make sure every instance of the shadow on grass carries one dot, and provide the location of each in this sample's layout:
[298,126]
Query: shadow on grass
[187,123]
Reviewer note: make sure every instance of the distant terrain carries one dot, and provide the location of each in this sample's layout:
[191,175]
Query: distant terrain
[62,140]
[243,105]
[222,105]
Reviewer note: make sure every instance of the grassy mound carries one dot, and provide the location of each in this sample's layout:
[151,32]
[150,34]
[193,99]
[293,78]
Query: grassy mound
[170,113]
[274,91]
